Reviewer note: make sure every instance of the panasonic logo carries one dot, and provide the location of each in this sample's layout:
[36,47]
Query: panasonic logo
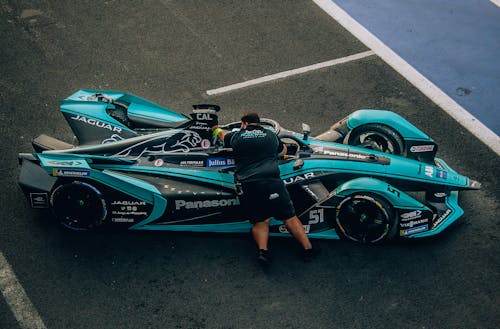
[183,204]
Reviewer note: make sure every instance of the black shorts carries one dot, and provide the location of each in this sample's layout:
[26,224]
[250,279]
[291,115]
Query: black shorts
[264,199]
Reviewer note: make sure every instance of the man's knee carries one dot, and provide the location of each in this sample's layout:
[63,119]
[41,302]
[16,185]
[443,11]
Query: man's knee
[292,221]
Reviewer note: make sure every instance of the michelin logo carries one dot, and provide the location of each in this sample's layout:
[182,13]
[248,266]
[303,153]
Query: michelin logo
[183,204]
[70,172]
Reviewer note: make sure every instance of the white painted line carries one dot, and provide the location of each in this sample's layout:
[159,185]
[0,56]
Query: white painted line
[15,296]
[286,74]
[429,89]
[496,2]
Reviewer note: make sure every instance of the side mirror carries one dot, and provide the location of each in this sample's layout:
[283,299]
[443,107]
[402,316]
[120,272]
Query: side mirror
[298,164]
[306,130]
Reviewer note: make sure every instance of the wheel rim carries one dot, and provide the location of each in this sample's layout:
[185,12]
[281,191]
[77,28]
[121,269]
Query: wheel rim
[362,218]
[78,206]
[376,141]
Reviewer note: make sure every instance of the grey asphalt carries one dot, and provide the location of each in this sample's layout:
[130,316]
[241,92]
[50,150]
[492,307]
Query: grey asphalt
[172,52]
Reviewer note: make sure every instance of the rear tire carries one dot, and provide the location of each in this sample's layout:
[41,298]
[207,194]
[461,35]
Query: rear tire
[78,206]
[364,218]
[377,137]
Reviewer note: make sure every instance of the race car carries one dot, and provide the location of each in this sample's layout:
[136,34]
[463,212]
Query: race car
[174,178]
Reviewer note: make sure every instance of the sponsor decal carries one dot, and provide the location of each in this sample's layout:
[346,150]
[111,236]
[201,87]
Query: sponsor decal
[128,203]
[441,218]
[205,143]
[220,162]
[343,154]
[158,163]
[336,153]
[414,230]
[256,133]
[128,208]
[357,156]
[283,229]
[298,178]
[203,116]
[192,163]
[411,215]
[70,172]
[200,127]
[39,200]
[421,148]
[429,171]
[183,204]
[441,174]
[414,223]
[122,220]
[97,123]
[55,163]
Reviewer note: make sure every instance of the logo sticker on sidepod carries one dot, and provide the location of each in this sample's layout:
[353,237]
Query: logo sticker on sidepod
[97,123]
[70,173]
[421,148]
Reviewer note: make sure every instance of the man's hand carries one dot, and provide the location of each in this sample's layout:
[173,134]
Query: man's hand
[218,132]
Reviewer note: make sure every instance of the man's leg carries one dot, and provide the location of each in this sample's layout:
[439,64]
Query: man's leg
[295,227]
[260,232]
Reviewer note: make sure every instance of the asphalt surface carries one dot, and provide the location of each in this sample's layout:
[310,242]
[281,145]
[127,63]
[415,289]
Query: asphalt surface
[172,52]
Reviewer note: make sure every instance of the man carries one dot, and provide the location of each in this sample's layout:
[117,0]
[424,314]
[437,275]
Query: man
[263,193]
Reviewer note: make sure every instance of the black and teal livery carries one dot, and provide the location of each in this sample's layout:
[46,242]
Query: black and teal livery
[384,182]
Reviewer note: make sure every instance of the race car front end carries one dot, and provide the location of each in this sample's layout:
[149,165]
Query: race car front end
[444,204]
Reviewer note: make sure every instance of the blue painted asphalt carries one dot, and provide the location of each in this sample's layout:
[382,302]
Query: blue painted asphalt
[453,43]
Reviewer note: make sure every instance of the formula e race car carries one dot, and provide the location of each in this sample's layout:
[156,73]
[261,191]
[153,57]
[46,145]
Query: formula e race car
[139,166]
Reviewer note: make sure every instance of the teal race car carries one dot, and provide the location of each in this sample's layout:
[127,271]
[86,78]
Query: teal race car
[372,176]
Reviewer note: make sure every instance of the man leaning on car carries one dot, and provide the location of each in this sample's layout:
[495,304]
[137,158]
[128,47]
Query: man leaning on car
[261,191]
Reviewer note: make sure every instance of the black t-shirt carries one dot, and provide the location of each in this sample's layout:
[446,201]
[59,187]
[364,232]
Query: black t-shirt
[255,152]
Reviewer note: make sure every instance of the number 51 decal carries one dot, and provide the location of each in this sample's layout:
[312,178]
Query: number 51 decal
[316,216]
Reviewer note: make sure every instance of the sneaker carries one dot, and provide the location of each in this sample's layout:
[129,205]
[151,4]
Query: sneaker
[264,258]
[309,254]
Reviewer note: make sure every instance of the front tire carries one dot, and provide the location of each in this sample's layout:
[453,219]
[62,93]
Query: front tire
[364,218]
[78,206]
[377,137]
